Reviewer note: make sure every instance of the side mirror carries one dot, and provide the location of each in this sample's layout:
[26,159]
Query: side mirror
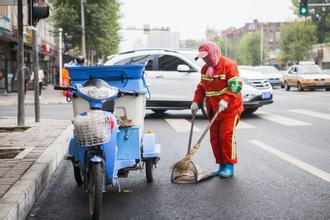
[183,68]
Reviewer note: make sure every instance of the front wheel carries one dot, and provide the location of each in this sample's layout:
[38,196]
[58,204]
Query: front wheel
[150,170]
[286,86]
[299,86]
[95,191]
[249,111]
[327,89]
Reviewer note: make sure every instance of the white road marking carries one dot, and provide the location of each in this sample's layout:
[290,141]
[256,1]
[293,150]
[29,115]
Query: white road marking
[280,119]
[243,125]
[311,113]
[181,125]
[299,163]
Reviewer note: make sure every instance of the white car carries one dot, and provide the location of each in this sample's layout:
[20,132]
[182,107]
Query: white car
[273,75]
[173,76]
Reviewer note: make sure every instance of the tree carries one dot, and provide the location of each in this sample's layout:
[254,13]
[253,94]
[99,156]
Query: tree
[249,49]
[101,24]
[318,15]
[297,40]
[226,46]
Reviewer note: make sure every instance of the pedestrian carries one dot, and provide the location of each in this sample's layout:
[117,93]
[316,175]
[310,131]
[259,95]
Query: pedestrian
[27,76]
[220,86]
[41,75]
[80,60]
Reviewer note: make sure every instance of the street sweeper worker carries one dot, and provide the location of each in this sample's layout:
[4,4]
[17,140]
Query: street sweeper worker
[220,86]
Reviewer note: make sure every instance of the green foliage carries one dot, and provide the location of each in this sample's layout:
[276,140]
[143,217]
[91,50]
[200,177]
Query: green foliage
[249,49]
[226,47]
[101,24]
[318,15]
[297,40]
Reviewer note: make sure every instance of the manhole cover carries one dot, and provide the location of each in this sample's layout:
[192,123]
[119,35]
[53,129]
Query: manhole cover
[10,153]
[13,129]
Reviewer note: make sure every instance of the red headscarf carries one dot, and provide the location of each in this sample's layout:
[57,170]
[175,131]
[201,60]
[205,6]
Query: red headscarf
[214,54]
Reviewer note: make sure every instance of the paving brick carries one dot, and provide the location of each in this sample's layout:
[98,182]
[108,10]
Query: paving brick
[32,156]
[7,181]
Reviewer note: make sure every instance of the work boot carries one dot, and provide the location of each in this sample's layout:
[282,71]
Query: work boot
[227,171]
[217,172]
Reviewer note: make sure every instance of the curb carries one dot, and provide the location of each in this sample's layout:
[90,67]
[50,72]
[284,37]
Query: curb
[19,200]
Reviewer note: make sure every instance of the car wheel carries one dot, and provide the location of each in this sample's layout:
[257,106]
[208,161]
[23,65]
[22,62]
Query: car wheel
[249,111]
[327,89]
[286,86]
[300,88]
[204,110]
[159,111]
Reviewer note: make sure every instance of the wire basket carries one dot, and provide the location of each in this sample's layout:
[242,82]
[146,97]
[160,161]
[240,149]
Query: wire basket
[91,128]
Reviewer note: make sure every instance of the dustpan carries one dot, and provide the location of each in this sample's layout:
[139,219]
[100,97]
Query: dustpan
[186,171]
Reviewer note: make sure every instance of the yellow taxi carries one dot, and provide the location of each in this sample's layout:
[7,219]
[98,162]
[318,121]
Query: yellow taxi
[306,77]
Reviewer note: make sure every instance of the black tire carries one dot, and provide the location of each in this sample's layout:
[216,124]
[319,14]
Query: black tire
[95,191]
[149,170]
[77,174]
[159,111]
[299,87]
[286,86]
[249,111]
[327,89]
[204,110]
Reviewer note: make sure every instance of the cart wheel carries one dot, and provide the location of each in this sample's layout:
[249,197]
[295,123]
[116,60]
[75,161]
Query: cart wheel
[95,191]
[77,174]
[149,170]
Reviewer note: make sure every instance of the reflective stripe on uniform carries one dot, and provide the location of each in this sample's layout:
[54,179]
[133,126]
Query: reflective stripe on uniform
[220,76]
[216,93]
[233,141]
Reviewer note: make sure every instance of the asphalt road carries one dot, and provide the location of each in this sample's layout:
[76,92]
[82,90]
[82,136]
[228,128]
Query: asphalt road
[283,170]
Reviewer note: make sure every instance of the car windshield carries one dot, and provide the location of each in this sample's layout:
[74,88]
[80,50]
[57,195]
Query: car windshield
[266,69]
[310,69]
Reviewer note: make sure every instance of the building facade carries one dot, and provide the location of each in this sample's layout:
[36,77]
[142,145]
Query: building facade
[271,38]
[8,47]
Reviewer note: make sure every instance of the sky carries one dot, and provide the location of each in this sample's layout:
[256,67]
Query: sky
[192,17]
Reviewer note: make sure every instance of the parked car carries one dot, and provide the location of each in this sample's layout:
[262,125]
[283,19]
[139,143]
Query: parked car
[256,91]
[273,75]
[173,75]
[306,77]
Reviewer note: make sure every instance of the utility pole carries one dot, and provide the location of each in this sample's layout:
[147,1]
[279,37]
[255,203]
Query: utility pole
[36,75]
[20,53]
[60,55]
[261,43]
[83,39]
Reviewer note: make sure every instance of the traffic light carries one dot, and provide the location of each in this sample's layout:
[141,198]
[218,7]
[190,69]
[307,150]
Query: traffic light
[303,7]
[68,44]
[36,11]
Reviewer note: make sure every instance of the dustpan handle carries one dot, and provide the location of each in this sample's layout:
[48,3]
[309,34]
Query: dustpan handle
[191,131]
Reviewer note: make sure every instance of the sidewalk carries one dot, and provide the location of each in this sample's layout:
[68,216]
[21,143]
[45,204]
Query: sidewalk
[48,96]
[28,158]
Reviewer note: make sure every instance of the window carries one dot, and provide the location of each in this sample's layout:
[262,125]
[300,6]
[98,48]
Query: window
[169,63]
[138,60]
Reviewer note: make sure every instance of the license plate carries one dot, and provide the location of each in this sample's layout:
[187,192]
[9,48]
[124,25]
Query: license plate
[266,95]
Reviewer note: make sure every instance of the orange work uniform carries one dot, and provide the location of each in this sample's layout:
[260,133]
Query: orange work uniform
[213,89]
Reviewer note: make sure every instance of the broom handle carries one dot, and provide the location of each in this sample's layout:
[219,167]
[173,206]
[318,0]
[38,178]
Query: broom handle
[197,145]
[208,127]
[191,131]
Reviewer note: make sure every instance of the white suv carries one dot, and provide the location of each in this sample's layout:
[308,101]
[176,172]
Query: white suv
[173,76]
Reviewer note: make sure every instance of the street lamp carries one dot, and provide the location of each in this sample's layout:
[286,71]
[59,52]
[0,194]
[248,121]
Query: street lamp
[60,30]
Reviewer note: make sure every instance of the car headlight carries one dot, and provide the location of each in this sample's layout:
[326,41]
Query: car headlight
[101,93]
[245,81]
[248,97]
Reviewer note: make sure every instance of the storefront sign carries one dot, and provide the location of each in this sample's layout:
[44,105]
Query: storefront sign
[5,23]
